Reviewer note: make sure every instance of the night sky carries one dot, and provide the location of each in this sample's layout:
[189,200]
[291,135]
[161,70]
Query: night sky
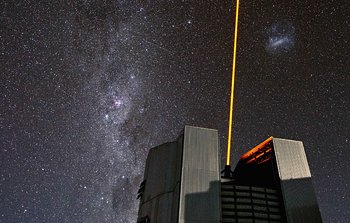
[87,87]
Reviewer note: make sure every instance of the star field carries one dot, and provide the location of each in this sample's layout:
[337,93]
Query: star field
[88,87]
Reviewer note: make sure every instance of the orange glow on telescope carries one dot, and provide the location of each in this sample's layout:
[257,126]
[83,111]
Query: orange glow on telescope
[256,148]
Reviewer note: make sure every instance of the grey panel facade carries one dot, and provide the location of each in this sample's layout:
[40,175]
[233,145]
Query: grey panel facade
[182,180]
[291,159]
[160,198]
[200,179]
[297,190]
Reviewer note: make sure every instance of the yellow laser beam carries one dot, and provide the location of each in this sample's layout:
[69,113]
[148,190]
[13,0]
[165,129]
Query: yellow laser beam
[229,139]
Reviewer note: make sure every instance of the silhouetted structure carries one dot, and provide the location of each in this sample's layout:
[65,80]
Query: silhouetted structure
[182,183]
[271,183]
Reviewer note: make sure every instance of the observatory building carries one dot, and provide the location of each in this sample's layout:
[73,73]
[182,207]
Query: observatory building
[183,184]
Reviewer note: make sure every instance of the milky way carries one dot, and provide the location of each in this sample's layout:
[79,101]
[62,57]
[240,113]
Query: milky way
[88,87]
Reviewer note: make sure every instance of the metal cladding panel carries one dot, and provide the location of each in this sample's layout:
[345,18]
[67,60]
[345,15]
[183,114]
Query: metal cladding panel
[162,177]
[200,179]
[291,159]
[300,201]
[298,194]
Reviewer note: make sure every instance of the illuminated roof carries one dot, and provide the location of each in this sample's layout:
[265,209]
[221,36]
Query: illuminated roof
[259,154]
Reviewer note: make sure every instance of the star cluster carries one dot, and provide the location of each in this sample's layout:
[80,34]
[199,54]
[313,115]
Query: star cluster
[87,87]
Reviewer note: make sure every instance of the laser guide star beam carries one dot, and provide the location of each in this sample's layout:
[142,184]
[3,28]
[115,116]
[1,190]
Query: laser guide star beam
[227,171]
